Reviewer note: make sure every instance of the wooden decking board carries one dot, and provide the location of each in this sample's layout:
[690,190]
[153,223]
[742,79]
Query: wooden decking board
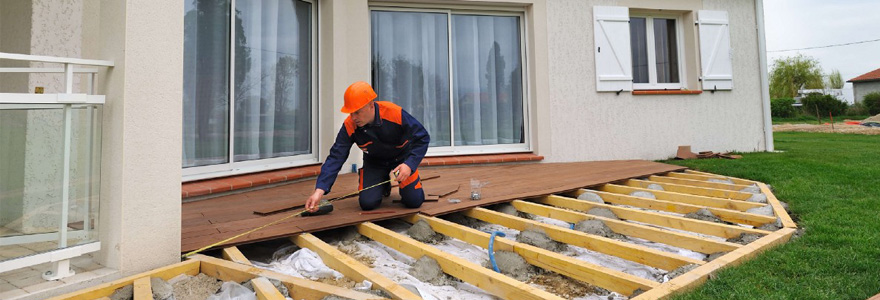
[212,220]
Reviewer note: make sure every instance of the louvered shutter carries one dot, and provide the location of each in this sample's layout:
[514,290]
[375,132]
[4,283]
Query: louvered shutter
[613,53]
[715,52]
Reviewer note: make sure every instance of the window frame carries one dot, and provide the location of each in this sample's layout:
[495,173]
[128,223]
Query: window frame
[232,167]
[452,149]
[652,55]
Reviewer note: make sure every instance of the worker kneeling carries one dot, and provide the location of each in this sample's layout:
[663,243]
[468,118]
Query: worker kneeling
[392,141]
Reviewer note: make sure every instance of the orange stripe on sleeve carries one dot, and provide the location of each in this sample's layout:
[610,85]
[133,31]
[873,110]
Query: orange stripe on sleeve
[349,126]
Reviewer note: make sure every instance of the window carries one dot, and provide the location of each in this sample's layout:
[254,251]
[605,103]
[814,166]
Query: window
[655,56]
[459,73]
[249,100]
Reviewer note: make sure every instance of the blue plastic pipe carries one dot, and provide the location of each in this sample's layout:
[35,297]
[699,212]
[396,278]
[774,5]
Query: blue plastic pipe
[492,252]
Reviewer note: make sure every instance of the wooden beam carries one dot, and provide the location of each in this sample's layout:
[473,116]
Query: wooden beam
[488,280]
[606,278]
[265,289]
[233,254]
[142,289]
[631,252]
[681,223]
[777,207]
[698,183]
[735,180]
[706,178]
[299,288]
[350,267]
[733,216]
[684,198]
[701,274]
[693,190]
[189,267]
[681,240]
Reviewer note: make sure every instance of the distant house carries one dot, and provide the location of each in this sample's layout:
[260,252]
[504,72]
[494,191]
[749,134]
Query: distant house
[865,84]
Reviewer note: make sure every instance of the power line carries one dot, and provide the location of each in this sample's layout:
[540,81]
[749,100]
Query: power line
[827,46]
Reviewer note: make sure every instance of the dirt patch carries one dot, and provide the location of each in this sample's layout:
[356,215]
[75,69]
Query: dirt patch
[603,212]
[198,287]
[352,250]
[715,255]
[513,265]
[681,270]
[592,197]
[838,128]
[538,238]
[745,238]
[422,232]
[563,286]
[597,227]
[643,194]
[703,214]
[161,289]
[123,293]
[428,270]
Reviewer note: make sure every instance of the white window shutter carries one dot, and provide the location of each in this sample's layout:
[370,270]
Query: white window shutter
[613,53]
[715,53]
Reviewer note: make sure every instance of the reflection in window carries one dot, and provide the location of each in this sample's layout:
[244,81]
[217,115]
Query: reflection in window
[655,56]
[665,47]
[639,42]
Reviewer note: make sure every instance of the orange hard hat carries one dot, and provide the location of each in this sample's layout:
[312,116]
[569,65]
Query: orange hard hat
[357,95]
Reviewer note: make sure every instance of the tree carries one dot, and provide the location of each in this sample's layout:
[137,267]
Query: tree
[790,74]
[835,81]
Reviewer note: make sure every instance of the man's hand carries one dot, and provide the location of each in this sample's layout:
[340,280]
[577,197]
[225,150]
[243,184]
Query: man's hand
[403,172]
[314,200]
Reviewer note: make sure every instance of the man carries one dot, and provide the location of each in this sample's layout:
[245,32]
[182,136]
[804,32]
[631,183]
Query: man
[393,142]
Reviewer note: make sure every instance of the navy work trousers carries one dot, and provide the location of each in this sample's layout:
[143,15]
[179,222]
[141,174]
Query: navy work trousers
[411,193]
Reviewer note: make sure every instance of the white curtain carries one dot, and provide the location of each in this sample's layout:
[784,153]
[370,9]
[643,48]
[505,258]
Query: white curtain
[639,42]
[666,50]
[411,67]
[487,80]
[273,98]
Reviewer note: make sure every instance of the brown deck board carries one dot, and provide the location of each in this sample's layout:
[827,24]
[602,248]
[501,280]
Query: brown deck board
[212,220]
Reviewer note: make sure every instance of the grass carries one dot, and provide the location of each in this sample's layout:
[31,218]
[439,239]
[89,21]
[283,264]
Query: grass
[832,185]
[805,119]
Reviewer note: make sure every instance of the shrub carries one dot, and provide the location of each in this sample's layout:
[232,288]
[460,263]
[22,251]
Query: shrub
[824,103]
[782,108]
[872,103]
[857,109]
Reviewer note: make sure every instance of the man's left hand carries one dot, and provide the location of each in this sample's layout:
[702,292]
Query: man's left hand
[403,172]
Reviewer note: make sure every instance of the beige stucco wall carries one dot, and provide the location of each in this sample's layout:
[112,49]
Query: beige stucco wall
[588,125]
[860,89]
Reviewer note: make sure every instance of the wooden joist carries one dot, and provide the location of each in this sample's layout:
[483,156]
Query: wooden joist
[681,240]
[143,289]
[265,289]
[716,176]
[680,223]
[488,280]
[733,216]
[701,274]
[777,207]
[233,254]
[350,267]
[189,267]
[593,274]
[624,250]
[706,178]
[694,190]
[697,183]
[684,198]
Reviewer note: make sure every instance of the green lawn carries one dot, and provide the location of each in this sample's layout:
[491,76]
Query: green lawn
[832,184]
[812,119]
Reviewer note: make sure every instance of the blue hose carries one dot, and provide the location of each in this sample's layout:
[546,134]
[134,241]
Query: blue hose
[572,226]
[491,252]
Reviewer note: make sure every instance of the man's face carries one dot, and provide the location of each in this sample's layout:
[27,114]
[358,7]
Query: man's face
[364,116]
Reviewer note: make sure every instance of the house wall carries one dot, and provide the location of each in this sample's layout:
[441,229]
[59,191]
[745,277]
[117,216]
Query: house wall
[860,89]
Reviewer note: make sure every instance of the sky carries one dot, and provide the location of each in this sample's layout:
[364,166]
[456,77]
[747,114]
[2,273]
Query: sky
[794,24]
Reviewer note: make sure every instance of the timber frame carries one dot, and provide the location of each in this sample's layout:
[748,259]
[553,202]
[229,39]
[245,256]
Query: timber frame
[659,218]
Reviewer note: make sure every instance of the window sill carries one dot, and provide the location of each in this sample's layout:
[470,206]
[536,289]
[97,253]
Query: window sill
[667,92]
[232,183]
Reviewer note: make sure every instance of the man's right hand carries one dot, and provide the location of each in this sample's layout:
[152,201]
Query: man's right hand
[314,200]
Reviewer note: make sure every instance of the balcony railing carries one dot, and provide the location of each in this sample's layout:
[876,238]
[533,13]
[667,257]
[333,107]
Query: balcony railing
[50,158]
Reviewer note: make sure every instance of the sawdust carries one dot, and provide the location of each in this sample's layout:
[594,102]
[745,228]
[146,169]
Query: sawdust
[513,265]
[703,214]
[422,232]
[681,270]
[592,197]
[428,270]
[198,287]
[597,227]
[603,212]
[745,238]
[538,238]
[563,286]
[351,249]
[838,128]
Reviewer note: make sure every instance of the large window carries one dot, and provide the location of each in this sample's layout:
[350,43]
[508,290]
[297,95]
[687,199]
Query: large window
[459,73]
[248,85]
[655,52]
